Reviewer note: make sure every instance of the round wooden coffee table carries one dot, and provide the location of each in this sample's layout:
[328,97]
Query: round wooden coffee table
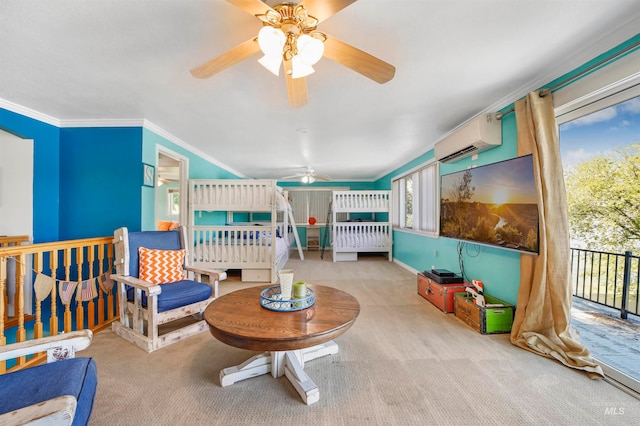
[289,338]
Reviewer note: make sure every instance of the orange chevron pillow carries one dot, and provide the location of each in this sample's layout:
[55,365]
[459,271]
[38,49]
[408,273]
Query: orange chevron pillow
[160,266]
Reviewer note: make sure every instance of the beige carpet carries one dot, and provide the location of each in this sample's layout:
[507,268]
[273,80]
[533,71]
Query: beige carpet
[402,363]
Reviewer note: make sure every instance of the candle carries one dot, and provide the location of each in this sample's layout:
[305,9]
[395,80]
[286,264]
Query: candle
[299,290]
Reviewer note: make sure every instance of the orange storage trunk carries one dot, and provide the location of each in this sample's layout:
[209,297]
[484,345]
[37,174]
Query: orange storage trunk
[441,295]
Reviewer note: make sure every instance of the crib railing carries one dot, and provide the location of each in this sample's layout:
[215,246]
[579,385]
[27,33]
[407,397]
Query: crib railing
[43,285]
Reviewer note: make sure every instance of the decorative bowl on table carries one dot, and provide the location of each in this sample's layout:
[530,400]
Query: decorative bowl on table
[270,298]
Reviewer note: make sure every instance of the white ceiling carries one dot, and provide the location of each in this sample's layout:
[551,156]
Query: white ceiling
[130,60]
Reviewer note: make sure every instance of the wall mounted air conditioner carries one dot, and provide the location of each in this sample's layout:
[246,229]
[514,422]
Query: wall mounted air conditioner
[480,134]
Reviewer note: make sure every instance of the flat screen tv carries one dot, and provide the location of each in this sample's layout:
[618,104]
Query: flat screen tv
[494,205]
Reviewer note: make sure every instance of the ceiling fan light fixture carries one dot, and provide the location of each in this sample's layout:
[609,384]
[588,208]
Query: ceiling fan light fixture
[307,178]
[310,49]
[290,38]
[271,40]
[299,69]
[282,25]
[272,63]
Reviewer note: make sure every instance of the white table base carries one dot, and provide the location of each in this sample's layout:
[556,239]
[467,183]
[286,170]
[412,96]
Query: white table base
[282,363]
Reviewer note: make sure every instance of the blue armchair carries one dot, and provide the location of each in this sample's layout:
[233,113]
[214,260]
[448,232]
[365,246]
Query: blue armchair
[154,288]
[55,393]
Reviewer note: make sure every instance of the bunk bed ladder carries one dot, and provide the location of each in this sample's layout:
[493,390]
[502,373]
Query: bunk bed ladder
[294,228]
[327,230]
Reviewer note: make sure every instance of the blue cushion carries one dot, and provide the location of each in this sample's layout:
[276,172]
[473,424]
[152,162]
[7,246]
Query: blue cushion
[77,377]
[176,294]
[158,240]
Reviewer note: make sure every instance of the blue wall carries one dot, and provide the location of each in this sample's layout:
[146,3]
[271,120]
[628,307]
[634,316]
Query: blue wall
[88,180]
[46,171]
[100,180]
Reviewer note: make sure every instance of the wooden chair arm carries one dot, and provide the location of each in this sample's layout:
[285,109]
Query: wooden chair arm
[56,411]
[73,341]
[218,275]
[151,289]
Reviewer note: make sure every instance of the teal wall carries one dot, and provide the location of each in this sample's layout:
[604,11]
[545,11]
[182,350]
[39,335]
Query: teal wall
[498,269]
[199,168]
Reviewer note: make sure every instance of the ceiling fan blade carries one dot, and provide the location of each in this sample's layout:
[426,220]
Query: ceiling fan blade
[230,57]
[254,7]
[323,9]
[296,87]
[322,177]
[359,61]
[290,177]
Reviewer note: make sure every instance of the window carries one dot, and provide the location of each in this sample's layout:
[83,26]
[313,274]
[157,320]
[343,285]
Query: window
[598,115]
[415,197]
[173,202]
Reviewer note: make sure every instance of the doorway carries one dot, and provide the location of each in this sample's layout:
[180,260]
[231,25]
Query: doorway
[171,187]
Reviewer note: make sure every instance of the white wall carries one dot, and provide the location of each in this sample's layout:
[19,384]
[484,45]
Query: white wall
[16,204]
[16,185]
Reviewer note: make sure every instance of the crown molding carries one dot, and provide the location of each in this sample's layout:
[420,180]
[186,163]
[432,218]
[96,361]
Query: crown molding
[124,122]
[28,112]
[107,122]
[622,33]
[171,138]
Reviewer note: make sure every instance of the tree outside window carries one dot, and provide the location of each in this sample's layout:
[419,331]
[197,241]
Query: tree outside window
[174,202]
[601,158]
[415,199]
[408,191]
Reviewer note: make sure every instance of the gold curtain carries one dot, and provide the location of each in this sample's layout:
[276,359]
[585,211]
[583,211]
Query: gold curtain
[542,320]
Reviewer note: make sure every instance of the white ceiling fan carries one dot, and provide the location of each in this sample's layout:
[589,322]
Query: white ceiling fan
[308,175]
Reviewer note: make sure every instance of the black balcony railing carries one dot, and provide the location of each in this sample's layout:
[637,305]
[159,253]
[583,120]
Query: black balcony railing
[610,279]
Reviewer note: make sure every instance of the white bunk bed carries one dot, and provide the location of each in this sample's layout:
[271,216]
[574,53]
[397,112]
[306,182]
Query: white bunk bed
[355,236]
[258,248]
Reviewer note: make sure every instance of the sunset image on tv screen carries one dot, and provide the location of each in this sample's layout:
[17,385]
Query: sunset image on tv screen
[494,204]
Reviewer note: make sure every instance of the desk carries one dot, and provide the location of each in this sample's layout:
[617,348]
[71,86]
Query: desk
[313,237]
[289,339]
